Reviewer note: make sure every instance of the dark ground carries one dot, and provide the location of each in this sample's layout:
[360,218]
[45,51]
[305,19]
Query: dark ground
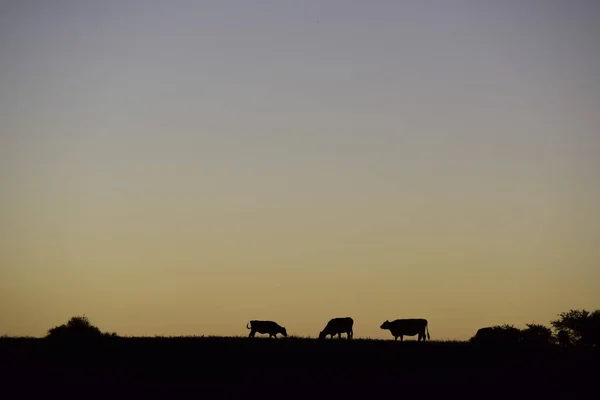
[137,368]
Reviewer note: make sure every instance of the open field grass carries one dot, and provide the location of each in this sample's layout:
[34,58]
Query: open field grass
[284,368]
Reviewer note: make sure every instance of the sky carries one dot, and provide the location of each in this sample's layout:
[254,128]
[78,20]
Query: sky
[183,167]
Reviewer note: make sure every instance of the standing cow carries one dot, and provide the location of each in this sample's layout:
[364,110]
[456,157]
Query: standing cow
[270,327]
[407,327]
[337,326]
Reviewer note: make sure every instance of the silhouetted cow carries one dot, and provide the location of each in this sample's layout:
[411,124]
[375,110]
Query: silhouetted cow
[407,327]
[337,326]
[563,337]
[270,327]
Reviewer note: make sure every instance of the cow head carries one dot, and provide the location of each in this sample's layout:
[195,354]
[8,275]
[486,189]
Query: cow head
[322,335]
[283,331]
[385,325]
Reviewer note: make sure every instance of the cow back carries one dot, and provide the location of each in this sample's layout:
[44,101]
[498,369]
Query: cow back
[410,326]
[336,325]
[265,326]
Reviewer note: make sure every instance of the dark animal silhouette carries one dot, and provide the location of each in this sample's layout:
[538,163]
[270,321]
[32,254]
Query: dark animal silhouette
[268,327]
[563,338]
[407,327]
[337,326]
[497,335]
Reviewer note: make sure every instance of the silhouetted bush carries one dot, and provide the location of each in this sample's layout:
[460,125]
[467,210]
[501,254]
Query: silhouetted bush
[77,328]
[572,322]
[581,325]
[591,330]
[498,334]
[537,334]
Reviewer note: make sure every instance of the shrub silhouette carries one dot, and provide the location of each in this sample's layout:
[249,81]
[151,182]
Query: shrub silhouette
[581,325]
[77,328]
[497,334]
[591,330]
[537,334]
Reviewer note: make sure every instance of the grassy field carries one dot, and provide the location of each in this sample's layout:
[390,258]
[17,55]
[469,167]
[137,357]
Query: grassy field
[235,367]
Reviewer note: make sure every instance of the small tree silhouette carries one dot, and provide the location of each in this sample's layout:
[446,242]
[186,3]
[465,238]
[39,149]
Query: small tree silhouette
[76,328]
[580,324]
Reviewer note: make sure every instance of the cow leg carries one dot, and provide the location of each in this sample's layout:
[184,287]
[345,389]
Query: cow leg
[252,333]
[395,338]
[401,338]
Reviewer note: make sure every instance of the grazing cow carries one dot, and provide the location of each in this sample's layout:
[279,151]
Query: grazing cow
[407,327]
[563,337]
[337,326]
[270,327]
[497,335]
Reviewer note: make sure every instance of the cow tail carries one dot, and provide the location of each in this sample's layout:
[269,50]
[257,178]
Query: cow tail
[248,326]
[427,327]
